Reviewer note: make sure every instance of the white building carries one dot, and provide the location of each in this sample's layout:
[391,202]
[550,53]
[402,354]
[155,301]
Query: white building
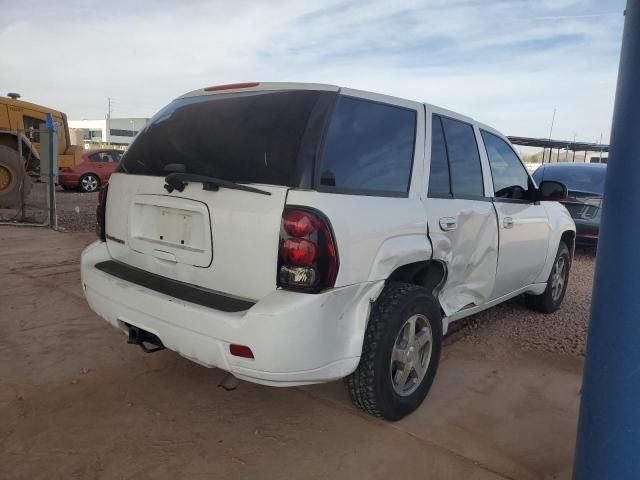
[96,133]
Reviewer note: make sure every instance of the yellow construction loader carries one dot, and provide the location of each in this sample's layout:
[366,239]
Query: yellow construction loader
[21,122]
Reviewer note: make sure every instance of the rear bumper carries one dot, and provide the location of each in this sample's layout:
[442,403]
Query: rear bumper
[296,338]
[68,179]
[587,232]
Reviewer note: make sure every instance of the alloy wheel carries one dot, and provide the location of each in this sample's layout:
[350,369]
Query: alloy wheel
[411,355]
[89,183]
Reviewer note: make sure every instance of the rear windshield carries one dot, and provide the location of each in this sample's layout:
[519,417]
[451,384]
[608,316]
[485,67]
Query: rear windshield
[577,178]
[252,137]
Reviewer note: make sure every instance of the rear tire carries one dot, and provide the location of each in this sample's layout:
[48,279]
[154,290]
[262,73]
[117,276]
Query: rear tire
[397,367]
[13,178]
[89,183]
[551,299]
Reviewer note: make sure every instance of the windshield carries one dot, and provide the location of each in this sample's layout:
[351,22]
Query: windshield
[265,137]
[576,177]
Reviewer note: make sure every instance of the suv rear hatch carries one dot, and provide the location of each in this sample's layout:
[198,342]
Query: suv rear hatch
[217,239]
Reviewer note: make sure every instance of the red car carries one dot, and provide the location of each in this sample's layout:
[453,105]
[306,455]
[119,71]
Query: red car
[95,170]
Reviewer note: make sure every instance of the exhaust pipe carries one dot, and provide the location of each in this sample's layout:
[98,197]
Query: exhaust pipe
[138,336]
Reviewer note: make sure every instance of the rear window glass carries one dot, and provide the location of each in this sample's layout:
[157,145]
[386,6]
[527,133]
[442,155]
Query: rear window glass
[576,177]
[252,137]
[368,148]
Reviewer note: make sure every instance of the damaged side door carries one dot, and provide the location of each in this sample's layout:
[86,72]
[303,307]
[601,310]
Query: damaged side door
[461,218]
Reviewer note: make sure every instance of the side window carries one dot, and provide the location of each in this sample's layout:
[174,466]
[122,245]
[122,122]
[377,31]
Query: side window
[439,181]
[464,159]
[32,127]
[510,178]
[101,157]
[368,147]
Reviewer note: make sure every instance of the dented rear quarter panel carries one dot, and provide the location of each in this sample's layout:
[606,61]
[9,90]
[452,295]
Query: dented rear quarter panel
[374,235]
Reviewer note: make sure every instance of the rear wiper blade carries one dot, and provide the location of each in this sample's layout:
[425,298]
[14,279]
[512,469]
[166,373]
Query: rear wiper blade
[177,181]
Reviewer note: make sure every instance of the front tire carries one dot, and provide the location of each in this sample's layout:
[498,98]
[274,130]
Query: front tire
[551,299]
[401,352]
[89,183]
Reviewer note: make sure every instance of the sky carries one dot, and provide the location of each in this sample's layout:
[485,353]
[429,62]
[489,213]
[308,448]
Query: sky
[506,63]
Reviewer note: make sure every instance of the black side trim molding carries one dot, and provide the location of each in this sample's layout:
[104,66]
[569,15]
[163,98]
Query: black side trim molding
[173,288]
[114,239]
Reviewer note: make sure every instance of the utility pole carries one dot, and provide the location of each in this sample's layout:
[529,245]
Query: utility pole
[108,136]
[609,427]
[553,118]
[600,143]
[550,132]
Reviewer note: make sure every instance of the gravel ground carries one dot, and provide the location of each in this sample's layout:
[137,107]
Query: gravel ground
[561,332]
[76,211]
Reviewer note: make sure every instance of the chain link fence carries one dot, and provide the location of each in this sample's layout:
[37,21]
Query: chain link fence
[35,199]
[24,198]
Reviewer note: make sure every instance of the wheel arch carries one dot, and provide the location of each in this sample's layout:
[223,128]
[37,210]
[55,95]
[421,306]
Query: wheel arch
[561,228]
[569,238]
[406,258]
[430,274]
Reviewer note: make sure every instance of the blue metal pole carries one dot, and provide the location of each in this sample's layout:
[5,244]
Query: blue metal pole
[608,444]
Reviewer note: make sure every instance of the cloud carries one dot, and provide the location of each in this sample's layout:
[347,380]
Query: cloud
[506,63]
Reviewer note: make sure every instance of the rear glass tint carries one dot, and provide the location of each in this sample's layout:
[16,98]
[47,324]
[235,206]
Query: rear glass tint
[250,137]
[368,148]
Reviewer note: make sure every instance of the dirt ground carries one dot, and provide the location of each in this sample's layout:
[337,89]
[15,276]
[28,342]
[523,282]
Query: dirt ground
[77,402]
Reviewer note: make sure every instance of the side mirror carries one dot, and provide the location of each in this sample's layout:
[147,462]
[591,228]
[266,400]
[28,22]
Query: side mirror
[551,191]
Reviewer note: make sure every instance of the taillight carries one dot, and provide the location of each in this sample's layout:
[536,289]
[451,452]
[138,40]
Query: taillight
[101,211]
[308,258]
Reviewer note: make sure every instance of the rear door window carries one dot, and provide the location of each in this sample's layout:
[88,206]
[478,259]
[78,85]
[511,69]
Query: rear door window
[248,137]
[102,157]
[368,148]
[464,159]
[439,179]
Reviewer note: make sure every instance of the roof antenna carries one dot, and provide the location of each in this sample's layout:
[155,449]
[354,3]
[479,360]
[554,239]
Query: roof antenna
[13,95]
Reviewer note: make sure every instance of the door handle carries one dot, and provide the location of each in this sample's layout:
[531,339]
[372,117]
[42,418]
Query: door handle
[507,222]
[448,223]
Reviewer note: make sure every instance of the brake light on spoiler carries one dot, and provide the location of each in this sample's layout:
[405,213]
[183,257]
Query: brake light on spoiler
[308,257]
[231,86]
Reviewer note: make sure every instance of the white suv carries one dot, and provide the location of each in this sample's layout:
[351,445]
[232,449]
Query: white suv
[299,233]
